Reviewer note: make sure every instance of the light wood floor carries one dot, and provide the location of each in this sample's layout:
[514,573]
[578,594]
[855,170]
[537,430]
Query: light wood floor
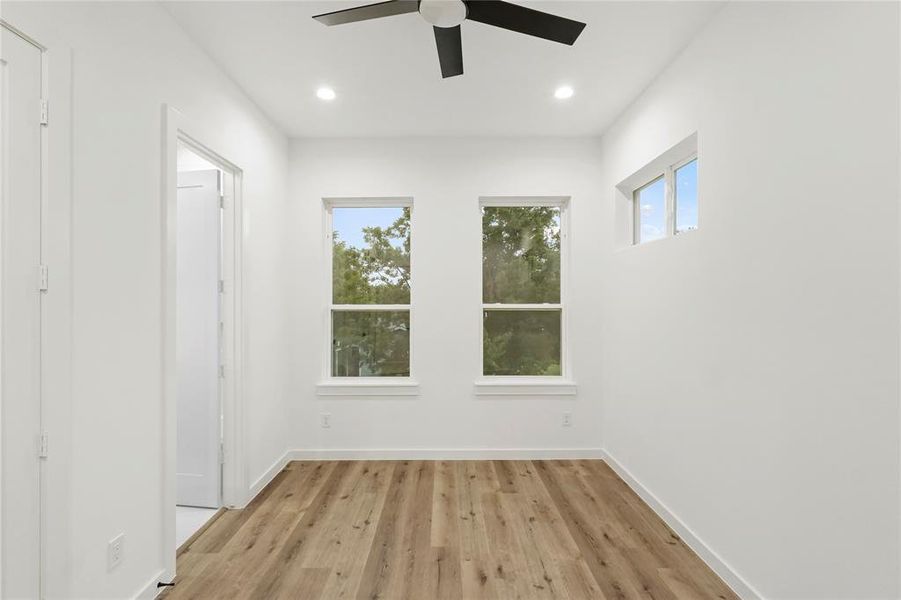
[424,530]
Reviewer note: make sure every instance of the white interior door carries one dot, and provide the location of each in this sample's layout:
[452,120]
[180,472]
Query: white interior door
[20,316]
[197,339]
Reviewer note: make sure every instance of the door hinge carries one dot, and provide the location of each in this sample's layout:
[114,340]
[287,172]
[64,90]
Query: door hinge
[43,445]
[221,286]
[221,453]
[45,112]
[43,278]
[222,201]
[222,371]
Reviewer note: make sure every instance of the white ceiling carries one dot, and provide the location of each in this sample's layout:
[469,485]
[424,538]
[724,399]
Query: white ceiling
[387,77]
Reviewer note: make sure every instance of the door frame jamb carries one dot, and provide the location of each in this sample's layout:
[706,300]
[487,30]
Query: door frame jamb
[177,128]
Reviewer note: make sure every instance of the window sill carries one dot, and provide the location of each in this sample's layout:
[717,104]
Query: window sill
[368,387]
[525,386]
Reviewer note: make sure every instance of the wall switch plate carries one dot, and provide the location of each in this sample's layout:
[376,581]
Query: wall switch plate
[325,420]
[115,551]
[567,419]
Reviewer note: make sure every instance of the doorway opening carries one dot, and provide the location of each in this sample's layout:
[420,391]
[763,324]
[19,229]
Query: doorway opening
[198,341]
[203,464]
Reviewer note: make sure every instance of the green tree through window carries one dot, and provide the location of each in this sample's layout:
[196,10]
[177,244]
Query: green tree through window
[521,266]
[371,266]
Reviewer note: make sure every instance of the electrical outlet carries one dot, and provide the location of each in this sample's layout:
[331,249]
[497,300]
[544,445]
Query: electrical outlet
[325,420]
[567,419]
[115,551]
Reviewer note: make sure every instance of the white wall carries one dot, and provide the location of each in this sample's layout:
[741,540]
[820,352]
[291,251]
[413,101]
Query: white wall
[751,367]
[127,59]
[445,177]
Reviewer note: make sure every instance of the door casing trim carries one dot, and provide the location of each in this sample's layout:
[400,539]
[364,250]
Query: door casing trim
[178,128]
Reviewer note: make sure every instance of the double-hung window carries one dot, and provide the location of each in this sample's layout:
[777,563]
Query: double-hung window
[522,287]
[369,315]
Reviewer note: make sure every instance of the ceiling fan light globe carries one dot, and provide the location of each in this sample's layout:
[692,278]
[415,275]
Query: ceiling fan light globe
[443,13]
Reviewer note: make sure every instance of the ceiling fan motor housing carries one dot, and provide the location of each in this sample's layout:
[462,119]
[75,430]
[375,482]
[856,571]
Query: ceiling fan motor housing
[445,16]
[443,13]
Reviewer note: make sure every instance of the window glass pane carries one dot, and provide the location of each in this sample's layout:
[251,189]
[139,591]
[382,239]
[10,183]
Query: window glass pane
[687,196]
[371,343]
[521,342]
[521,254]
[651,211]
[371,255]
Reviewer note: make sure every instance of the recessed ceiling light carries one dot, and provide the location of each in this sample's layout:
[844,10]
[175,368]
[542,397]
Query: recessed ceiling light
[325,93]
[563,92]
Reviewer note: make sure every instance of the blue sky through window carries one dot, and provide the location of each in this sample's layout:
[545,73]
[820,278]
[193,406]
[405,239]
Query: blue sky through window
[652,211]
[687,196]
[349,223]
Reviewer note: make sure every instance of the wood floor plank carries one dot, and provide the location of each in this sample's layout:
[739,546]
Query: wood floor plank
[281,578]
[246,549]
[330,534]
[551,536]
[534,558]
[256,545]
[680,585]
[384,559]
[446,530]
[544,514]
[506,475]
[579,582]
[310,584]
[231,521]
[630,548]
[511,579]
[597,547]
[445,534]
[419,562]
[356,535]
[444,506]
[651,535]
[479,574]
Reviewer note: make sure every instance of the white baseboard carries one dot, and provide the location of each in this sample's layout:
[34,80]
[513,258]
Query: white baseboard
[446,454]
[735,581]
[151,591]
[264,480]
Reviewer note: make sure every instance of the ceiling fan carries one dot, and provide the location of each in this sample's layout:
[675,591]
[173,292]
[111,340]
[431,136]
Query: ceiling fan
[445,16]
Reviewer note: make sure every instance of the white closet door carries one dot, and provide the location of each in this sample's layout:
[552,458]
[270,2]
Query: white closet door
[20,325]
[197,338]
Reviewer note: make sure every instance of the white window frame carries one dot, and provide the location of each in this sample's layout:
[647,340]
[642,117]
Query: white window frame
[636,208]
[668,174]
[626,220]
[538,385]
[363,386]
[673,168]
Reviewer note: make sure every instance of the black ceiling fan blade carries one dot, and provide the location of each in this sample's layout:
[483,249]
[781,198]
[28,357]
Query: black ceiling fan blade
[524,20]
[450,50]
[370,11]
